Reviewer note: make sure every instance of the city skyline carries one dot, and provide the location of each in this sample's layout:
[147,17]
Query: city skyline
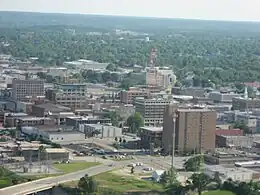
[232,10]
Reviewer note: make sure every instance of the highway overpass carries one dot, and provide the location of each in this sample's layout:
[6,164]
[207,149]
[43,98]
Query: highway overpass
[50,182]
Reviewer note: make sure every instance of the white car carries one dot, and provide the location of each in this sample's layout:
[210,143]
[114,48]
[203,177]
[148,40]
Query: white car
[139,164]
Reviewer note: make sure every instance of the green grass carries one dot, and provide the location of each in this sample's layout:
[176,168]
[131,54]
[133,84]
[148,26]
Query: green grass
[119,183]
[218,192]
[75,166]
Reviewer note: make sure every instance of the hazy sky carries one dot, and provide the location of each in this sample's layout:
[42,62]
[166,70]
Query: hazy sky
[199,9]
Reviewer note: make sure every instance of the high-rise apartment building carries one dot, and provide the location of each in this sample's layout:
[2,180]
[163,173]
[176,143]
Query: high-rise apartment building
[69,95]
[194,129]
[25,90]
[152,110]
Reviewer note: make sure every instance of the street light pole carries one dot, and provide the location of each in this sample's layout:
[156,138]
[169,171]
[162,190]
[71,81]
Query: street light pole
[173,139]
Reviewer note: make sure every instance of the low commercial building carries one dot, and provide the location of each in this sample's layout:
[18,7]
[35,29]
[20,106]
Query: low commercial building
[77,120]
[243,104]
[236,174]
[50,154]
[54,135]
[28,121]
[230,132]
[247,119]
[41,110]
[65,136]
[54,111]
[36,121]
[234,141]
[103,131]
[228,157]
[151,137]
[190,91]
[219,97]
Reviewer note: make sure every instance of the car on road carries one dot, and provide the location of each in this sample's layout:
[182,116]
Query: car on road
[139,164]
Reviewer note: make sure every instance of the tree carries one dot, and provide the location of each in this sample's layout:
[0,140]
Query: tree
[229,185]
[193,163]
[134,122]
[111,67]
[169,177]
[115,118]
[199,181]
[41,152]
[241,125]
[88,185]
[243,188]
[218,180]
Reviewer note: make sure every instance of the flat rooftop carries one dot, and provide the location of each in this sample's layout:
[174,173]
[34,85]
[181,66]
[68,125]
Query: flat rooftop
[194,110]
[65,133]
[56,150]
[53,107]
[154,129]
[34,118]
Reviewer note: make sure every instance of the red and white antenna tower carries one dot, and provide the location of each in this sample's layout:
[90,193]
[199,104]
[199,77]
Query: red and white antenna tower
[152,58]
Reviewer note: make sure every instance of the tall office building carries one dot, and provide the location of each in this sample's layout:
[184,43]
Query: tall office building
[162,77]
[152,110]
[194,129]
[69,95]
[24,90]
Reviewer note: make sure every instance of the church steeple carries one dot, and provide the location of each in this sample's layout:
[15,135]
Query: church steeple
[246,93]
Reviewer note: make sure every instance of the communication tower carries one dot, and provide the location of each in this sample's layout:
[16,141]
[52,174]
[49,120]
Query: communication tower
[152,58]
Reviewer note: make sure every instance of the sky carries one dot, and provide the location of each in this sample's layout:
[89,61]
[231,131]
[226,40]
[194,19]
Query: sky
[235,10]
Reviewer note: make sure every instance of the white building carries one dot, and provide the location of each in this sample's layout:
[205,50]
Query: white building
[156,175]
[87,65]
[66,136]
[104,131]
[235,174]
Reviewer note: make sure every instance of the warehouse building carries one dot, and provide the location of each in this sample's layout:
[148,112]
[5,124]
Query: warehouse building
[98,130]
[54,136]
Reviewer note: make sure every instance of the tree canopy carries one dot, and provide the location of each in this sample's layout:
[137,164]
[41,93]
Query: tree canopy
[216,53]
[194,163]
[134,122]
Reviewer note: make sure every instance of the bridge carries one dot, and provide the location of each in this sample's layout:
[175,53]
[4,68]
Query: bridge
[50,182]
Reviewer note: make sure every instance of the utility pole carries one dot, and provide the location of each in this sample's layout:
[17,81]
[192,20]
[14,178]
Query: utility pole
[173,139]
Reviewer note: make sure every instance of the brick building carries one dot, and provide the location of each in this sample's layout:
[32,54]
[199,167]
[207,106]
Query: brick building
[194,130]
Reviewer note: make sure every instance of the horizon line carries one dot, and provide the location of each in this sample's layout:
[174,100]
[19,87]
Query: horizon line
[119,15]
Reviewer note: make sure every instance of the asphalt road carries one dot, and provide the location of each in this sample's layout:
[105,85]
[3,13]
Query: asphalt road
[26,188]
